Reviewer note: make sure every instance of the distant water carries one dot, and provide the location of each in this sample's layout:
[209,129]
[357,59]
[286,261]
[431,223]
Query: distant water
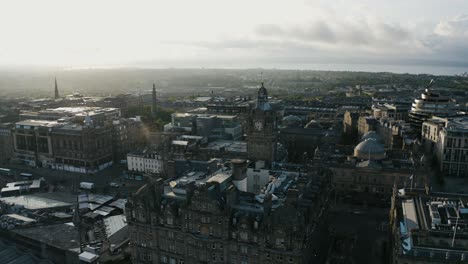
[412,69]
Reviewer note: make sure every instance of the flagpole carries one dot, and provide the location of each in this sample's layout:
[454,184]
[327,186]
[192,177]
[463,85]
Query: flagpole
[412,176]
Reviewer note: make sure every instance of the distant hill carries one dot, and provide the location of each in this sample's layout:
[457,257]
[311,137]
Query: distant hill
[40,83]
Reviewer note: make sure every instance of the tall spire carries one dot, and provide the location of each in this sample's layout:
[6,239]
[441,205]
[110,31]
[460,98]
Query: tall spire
[153,102]
[57,96]
[262,99]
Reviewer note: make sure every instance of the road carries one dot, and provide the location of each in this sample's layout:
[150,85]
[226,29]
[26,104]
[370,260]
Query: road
[368,225]
[69,181]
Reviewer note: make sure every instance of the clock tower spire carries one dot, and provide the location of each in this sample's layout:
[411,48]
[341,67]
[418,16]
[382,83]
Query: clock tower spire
[261,131]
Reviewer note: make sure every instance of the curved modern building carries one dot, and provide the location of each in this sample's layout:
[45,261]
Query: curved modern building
[430,104]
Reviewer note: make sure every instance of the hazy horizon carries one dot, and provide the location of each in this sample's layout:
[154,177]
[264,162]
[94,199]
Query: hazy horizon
[440,70]
[417,36]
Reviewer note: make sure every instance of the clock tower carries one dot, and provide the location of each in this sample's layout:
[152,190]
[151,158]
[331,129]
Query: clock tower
[261,130]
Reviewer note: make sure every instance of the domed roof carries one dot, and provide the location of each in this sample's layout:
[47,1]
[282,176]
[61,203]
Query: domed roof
[369,149]
[292,121]
[371,134]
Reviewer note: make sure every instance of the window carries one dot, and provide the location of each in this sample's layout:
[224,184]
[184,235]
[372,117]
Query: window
[280,242]
[169,220]
[163,259]
[171,247]
[244,250]
[244,236]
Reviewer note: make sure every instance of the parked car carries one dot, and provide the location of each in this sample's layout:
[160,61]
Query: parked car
[114,184]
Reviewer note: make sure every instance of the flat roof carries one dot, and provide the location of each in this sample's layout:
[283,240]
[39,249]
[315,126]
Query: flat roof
[229,145]
[61,236]
[219,177]
[180,142]
[21,218]
[34,202]
[22,185]
[88,257]
[409,214]
[37,123]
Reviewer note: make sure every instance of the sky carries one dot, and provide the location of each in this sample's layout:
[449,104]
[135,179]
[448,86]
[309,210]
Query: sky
[232,34]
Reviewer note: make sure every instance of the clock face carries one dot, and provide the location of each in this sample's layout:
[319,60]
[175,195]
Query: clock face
[258,125]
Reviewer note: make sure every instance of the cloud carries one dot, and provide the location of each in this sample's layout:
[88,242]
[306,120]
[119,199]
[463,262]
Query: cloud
[455,27]
[349,40]
[449,39]
[345,33]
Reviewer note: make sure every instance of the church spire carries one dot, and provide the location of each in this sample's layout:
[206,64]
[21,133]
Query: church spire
[57,96]
[153,102]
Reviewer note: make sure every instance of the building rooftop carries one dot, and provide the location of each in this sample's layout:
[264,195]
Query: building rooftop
[20,186]
[11,255]
[34,202]
[37,123]
[62,236]
[459,124]
[228,145]
[427,224]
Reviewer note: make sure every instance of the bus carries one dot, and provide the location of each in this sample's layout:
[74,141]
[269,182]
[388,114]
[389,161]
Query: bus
[6,172]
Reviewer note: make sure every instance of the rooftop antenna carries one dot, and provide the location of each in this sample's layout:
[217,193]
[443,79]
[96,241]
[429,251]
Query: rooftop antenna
[261,76]
[430,84]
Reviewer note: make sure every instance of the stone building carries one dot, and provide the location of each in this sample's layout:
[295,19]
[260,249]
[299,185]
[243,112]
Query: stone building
[428,228]
[6,142]
[32,141]
[78,147]
[77,139]
[299,139]
[390,111]
[350,123]
[452,148]
[447,140]
[210,126]
[261,130]
[370,170]
[366,124]
[208,218]
[147,161]
[127,134]
[84,148]
[396,134]
[430,132]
